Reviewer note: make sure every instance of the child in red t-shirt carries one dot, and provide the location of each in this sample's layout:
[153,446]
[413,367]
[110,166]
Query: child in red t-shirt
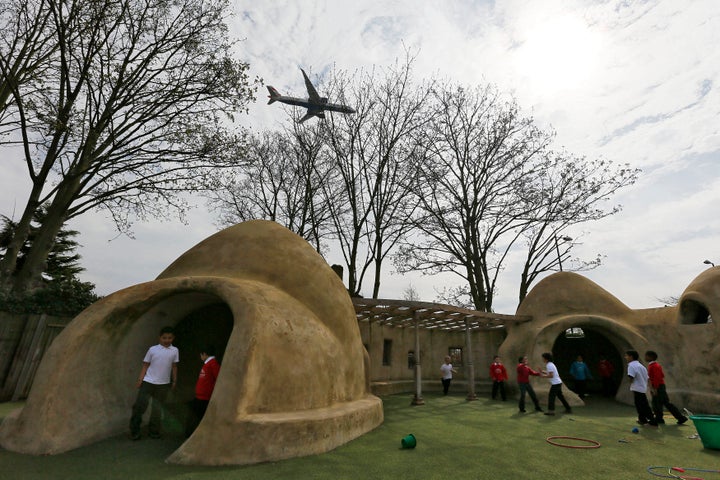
[203,389]
[523,379]
[658,391]
[498,375]
[606,370]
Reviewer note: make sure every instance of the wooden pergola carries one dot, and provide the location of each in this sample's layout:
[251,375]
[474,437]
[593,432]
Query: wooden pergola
[432,316]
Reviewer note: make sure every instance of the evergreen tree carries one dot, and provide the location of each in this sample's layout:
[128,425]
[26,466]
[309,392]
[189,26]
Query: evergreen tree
[62,292]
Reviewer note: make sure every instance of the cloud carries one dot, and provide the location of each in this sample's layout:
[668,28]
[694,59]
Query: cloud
[630,81]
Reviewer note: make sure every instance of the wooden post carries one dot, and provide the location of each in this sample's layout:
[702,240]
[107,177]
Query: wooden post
[417,399]
[470,367]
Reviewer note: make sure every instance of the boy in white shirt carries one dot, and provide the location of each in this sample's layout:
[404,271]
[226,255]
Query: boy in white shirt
[446,370]
[551,372]
[639,381]
[157,377]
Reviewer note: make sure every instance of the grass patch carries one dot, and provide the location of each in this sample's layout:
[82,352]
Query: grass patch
[455,439]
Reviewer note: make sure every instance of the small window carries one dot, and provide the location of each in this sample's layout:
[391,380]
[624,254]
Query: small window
[693,313]
[456,356]
[411,359]
[387,352]
[574,332]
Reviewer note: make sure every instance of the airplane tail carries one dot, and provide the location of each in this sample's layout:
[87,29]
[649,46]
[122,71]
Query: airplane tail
[274,95]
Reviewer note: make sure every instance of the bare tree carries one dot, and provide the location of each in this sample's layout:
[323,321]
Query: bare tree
[25,46]
[669,301]
[411,294]
[281,180]
[566,191]
[375,151]
[118,104]
[490,180]
[479,153]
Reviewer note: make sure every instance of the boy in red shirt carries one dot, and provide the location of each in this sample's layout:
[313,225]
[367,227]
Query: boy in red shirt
[606,369]
[498,375]
[203,389]
[658,391]
[523,379]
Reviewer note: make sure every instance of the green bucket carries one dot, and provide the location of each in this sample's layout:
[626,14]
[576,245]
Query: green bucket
[408,441]
[708,427]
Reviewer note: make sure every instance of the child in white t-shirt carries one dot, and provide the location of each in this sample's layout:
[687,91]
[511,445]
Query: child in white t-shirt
[551,372]
[446,370]
[639,381]
[157,377]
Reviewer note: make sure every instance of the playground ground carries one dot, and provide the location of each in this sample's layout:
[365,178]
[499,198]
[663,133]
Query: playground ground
[456,439]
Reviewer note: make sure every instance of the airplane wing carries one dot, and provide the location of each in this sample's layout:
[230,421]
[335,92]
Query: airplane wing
[310,114]
[312,93]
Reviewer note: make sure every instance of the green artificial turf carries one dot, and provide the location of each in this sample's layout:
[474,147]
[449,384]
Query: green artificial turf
[456,440]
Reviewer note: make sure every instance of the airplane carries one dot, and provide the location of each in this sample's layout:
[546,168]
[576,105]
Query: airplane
[315,104]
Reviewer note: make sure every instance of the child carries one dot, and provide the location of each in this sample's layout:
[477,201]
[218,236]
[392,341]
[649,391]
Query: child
[157,377]
[551,372]
[658,391]
[639,379]
[203,388]
[581,374]
[523,379]
[498,375]
[446,369]
[606,369]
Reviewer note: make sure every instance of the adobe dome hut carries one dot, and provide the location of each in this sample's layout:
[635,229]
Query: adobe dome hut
[294,378]
[572,315]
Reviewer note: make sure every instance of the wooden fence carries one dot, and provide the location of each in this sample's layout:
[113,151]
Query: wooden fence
[23,342]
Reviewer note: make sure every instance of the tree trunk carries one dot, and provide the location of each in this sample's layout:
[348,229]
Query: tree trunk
[8,264]
[376,284]
[28,277]
[523,286]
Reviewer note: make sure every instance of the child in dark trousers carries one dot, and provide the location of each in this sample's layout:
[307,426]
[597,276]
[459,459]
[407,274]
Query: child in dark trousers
[551,373]
[203,389]
[658,391]
[157,377]
[498,375]
[638,386]
[523,379]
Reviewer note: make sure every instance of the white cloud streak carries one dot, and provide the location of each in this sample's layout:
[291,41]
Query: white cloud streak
[630,81]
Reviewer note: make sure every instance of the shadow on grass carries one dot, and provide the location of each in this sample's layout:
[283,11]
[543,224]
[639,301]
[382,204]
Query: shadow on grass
[455,439]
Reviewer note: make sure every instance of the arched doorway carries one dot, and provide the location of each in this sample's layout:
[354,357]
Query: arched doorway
[208,325]
[593,344]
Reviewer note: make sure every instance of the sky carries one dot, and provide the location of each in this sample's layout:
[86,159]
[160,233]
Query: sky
[629,81]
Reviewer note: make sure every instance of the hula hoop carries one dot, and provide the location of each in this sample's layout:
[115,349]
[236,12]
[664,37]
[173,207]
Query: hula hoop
[671,469]
[592,443]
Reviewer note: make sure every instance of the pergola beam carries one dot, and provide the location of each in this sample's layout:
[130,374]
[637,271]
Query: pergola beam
[430,316]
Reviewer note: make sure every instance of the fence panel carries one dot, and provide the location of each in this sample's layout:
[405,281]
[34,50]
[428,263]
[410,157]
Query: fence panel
[11,330]
[24,339]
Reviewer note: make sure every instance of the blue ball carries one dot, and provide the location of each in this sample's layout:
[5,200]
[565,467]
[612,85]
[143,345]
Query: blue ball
[635,430]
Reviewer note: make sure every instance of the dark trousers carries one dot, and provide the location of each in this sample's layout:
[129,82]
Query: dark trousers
[498,386]
[446,385]
[659,400]
[526,387]
[608,386]
[581,388]
[645,414]
[195,415]
[146,393]
[556,391]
